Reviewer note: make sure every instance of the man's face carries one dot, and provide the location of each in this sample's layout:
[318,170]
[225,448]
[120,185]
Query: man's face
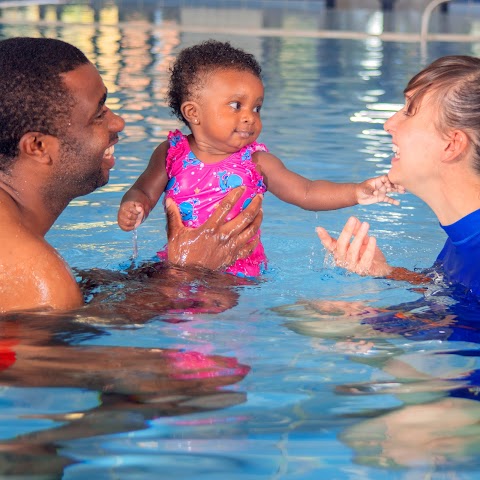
[85,153]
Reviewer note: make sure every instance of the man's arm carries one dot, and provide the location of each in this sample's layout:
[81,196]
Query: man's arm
[216,244]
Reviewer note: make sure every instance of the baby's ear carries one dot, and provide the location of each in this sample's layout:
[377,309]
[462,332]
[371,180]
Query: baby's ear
[191,112]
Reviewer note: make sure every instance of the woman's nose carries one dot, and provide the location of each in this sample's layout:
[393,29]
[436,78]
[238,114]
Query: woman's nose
[390,123]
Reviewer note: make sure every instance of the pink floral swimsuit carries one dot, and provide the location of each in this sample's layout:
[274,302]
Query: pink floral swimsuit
[197,188]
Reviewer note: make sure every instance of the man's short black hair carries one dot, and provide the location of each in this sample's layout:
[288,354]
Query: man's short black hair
[33,97]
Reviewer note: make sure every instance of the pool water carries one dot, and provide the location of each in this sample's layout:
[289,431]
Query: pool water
[287,377]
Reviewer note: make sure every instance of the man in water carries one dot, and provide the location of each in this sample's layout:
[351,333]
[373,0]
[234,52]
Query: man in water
[57,140]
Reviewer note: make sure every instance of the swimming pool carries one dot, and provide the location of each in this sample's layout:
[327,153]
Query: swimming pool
[196,378]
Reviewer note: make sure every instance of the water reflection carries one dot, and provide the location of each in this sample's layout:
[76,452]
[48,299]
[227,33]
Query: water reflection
[441,434]
[46,370]
[436,386]
[57,386]
[152,291]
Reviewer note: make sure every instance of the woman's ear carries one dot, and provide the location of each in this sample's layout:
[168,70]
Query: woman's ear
[35,145]
[190,111]
[458,143]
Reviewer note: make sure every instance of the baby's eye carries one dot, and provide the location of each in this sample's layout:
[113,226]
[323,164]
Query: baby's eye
[257,109]
[235,105]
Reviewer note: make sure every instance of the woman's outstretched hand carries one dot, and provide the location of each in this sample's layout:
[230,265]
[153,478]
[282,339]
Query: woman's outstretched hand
[360,255]
[216,244]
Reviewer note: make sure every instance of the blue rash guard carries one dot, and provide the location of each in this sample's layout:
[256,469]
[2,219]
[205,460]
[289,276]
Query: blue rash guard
[423,320]
[460,256]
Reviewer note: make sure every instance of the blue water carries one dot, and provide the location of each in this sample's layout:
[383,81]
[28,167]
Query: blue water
[197,378]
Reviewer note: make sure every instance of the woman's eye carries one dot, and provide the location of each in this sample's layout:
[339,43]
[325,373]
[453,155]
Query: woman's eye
[235,105]
[404,110]
[409,110]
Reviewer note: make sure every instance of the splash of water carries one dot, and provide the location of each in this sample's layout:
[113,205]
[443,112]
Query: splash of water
[135,244]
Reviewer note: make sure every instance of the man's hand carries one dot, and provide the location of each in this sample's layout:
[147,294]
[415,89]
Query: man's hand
[216,244]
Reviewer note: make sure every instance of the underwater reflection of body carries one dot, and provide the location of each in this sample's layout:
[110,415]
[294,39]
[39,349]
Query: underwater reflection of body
[425,355]
[157,289]
[40,353]
[444,433]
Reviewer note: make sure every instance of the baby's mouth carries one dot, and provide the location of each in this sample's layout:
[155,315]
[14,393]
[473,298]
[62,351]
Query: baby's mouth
[244,134]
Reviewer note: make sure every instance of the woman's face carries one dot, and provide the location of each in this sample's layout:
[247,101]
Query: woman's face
[418,146]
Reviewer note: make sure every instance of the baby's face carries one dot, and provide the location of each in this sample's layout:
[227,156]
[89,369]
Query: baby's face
[229,110]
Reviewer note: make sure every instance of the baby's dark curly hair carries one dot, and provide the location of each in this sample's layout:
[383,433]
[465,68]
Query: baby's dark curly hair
[193,65]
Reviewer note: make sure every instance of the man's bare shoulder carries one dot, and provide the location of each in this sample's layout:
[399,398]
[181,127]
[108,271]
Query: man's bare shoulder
[32,273]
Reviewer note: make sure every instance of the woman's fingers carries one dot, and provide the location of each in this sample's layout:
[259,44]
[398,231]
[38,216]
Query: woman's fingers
[353,253]
[366,260]
[328,242]
[354,249]
[343,242]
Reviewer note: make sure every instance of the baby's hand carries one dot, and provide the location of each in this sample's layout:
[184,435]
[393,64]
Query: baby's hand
[130,215]
[375,190]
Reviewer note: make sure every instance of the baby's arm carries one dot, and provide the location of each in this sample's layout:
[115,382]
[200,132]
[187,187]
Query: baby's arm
[144,194]
[319,194]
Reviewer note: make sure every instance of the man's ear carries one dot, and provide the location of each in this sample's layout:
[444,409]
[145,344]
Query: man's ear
[36,145]
[191,112]
[457,145]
